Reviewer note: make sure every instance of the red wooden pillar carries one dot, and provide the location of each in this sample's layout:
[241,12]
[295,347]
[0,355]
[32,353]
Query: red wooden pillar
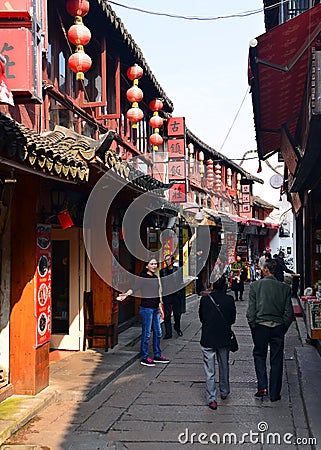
[29,366]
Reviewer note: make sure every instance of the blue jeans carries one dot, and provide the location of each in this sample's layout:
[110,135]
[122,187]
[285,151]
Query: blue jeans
[150,321]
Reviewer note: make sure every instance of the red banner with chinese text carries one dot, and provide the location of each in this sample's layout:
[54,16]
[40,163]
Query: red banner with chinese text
[43,283]
[177,193]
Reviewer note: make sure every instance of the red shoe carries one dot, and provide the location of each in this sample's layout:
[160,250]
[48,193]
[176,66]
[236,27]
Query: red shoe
[261,393]
[213,405]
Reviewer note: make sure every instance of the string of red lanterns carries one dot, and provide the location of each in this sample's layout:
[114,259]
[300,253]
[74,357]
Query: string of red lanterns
[218,176]
[210,173]
[79,35]
[156,122]
[134,95]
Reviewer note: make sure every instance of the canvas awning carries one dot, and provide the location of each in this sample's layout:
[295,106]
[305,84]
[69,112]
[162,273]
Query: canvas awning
[278,69]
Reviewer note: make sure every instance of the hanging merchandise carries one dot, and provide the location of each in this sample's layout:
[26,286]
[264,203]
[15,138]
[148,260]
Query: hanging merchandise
[156,122]
[79,35]
[134,95]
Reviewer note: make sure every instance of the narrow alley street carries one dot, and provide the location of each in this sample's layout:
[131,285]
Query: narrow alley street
[164,407]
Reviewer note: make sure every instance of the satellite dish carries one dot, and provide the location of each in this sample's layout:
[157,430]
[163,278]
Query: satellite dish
[276,181]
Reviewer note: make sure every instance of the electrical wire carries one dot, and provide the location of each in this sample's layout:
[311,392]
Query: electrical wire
[236,116]
[199,18]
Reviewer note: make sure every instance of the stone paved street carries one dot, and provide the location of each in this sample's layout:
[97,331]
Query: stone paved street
[164,407]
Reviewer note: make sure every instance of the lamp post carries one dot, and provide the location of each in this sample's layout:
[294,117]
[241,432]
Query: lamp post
[199,217]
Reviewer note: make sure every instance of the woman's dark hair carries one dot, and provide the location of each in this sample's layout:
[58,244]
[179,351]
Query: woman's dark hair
[146,263]
[220,284]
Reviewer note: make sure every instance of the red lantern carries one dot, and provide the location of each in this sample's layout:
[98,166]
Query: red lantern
[156,121]
[134,72]
[156,104]
[134,94]
[79,34]
[134,115]
[77,7]
[155,139]
[79,62]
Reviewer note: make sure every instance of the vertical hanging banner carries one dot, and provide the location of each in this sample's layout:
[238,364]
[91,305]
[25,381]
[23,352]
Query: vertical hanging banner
[43,283]
[246,200]
[176,159]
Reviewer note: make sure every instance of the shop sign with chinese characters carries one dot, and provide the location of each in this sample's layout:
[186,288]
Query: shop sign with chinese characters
[177,193]
[43,283]
[23,67]
[176,159]
[246,200]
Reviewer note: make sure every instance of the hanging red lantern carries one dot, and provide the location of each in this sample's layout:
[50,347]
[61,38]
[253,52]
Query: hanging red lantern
[77,7]
[134,94]
[79,62]
[134,72]
[134,115]
[156,104]
[156,139]
[79,34]
[156,121]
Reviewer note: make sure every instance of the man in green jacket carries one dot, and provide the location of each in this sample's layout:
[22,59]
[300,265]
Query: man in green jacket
[269,314]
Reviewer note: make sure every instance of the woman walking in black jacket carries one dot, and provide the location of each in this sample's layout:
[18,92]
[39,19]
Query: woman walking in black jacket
[216,337]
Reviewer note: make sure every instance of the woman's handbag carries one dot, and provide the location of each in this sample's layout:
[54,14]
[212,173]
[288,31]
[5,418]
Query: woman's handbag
[234,346]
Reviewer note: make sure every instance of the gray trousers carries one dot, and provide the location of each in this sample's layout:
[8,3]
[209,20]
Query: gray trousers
[222,355]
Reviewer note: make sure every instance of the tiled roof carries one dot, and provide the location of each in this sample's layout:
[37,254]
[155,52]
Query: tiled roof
[65,153]
[258,201]
[58,152]
[221,157]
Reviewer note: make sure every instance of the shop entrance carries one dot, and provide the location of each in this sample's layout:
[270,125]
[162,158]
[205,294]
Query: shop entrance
[67,276]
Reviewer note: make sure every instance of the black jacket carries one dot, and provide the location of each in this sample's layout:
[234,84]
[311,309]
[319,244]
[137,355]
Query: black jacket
[171,283]
[216,332]
[149,287]
[281,268]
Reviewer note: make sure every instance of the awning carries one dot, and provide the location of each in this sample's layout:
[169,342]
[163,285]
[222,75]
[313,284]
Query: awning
[255,222]
[278,71]
[272,225]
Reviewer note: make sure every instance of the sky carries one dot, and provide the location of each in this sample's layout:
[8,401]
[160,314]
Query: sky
[202,67]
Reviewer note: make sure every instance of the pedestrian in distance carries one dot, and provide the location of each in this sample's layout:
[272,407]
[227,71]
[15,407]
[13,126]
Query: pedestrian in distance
[281,266]
[149,287]
[269,315]
[216,337]
[239,273]
[221,268]
[262,259]
[200,270]
[172,293]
